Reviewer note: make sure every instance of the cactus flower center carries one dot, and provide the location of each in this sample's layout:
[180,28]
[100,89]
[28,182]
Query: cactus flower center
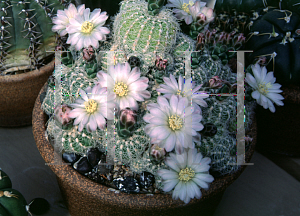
[185,6]
[87,27]
[91,106]
[121,89]
[263,88]
[175,122]
[186,174]
[180,93]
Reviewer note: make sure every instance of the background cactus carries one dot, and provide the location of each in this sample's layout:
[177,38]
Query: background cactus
[275,40]
[219,44]
[26,34]
[204,68]
[138,33]
[246,6]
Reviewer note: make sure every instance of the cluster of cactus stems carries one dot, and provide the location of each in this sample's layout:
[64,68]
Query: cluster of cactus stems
[139,29]
[25,33]
[220,43]
[232,21]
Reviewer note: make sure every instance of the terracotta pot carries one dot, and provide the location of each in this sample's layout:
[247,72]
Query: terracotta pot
[18,94]
[279,132]
[85,197]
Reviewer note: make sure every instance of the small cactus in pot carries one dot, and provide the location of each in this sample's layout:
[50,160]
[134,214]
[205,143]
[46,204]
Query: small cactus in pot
[26,34]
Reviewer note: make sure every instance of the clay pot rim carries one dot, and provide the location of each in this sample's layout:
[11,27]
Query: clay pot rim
[27,75]
[79,182]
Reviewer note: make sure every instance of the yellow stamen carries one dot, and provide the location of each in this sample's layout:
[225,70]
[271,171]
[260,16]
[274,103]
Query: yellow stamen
[87,27]
[181,93]
[263,88]
[121,89]
[186,174]
[185,6]
[175,122]
[91,106]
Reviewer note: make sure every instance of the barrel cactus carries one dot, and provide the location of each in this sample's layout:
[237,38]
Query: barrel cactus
[275,39]
[26,34]
[144,35]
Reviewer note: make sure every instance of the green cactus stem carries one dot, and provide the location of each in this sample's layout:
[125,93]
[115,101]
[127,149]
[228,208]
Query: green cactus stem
[154,6]
[25,34]
[139,33]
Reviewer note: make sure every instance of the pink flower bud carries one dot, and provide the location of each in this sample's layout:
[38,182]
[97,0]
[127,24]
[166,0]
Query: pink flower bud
[157,152]
[201,16]
[248,139]
[88,53]
[161,64]
[61,114]
[200,41]
[208,12]
[128,117]
[215,82]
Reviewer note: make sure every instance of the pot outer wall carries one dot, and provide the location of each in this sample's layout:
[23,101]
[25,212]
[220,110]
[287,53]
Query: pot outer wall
[18,93]
[85,197]
[279,132]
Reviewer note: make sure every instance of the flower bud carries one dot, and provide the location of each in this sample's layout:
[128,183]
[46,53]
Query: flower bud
[161,64]
[61,115]
[88,53]
[248,140]
[157,152]
[215,82]
[127,121]
[208,12]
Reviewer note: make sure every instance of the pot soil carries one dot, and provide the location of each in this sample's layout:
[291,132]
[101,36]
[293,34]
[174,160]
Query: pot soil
[85,197]
[279,132]
[18,94]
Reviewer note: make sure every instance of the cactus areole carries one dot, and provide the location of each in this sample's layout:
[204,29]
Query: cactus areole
[25,34]
[275,40]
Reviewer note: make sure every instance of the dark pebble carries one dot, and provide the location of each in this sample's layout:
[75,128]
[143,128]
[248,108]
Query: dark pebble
[83,166]
[70,157]
[146,180]
[94,156]
[127,185]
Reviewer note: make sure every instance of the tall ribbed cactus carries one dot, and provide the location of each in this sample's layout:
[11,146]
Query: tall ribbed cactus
[25,33]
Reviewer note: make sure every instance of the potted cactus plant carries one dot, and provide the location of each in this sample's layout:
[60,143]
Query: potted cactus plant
[121,115]
[25,62]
